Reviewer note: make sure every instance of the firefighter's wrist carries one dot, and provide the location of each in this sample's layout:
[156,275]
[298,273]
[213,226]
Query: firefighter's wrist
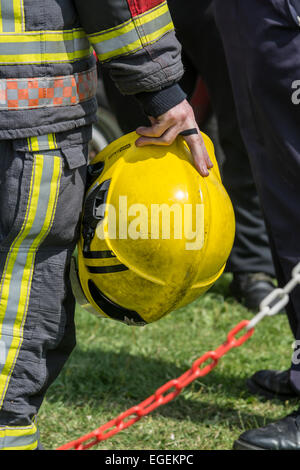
[156,103]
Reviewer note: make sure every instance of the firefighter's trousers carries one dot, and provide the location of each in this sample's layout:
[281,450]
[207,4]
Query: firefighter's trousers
[42,181]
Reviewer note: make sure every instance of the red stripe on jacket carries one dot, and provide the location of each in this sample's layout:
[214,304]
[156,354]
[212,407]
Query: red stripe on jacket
[140,6]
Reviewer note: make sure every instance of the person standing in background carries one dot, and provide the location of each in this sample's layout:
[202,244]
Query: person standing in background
[261,41]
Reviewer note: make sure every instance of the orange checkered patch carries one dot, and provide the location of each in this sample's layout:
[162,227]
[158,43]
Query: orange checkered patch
[41,92]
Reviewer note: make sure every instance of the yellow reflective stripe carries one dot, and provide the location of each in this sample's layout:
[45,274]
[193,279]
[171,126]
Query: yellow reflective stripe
[44,46]
[134,34]
[33,144]
[12,255]
[128,49]
[134,46]
[43,36]
[24,248]
[52,142]
[150,38]
[18,15]
[112,32]
[45,142]
[32,446]
[19,437]
[28,270]
[17,431]
[44,57]
[52,202]
[131,24]
[28,222]
[12,16]
[23,15]
[151,14]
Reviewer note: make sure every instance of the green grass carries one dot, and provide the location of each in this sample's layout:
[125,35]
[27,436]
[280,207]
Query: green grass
[115,367]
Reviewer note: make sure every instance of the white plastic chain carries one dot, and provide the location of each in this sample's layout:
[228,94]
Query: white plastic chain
[276,300]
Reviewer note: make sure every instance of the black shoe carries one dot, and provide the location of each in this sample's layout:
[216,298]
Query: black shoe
[251,288]
[272,384]
[281,435]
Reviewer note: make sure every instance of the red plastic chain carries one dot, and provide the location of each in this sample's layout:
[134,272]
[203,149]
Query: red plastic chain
[163,394]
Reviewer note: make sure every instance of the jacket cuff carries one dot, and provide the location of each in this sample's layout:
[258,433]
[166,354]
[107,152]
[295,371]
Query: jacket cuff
[159,102]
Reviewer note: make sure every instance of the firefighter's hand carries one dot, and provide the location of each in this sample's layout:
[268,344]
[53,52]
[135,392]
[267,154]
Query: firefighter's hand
[166,127]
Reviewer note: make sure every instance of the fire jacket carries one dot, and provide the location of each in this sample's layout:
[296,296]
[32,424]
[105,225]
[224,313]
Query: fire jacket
[48,74]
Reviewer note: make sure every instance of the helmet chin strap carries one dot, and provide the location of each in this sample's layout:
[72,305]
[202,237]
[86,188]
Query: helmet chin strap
[129,317]
[76,287]
[94,211]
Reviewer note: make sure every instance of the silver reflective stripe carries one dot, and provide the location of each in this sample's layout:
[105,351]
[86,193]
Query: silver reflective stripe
[133,35]
[154,25]
[20,263]
[110,45]
[19,437]
[42,142]
[41,48]
[132,39]
[18,271]
[34,47]
[12,16]
[7,16]
[18,442]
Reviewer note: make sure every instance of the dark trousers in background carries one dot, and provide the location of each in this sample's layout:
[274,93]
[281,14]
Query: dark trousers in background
[262,43]
[204,55]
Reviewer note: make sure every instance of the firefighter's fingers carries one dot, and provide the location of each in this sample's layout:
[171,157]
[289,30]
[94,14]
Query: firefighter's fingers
[178,120]
[161,124]
[167,138]
[200,155]
[156,130]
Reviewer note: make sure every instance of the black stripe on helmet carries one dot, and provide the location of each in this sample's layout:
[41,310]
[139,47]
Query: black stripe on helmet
[107,269]
[99,254]
[113,310]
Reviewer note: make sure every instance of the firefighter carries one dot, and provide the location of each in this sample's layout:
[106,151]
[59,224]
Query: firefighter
[47,107]
[261,42]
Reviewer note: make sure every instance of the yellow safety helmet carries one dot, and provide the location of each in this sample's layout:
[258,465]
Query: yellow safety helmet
[155,234]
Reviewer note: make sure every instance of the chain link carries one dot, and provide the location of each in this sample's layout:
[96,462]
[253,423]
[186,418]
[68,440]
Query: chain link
[276,300]
[271,305]
[165,393]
